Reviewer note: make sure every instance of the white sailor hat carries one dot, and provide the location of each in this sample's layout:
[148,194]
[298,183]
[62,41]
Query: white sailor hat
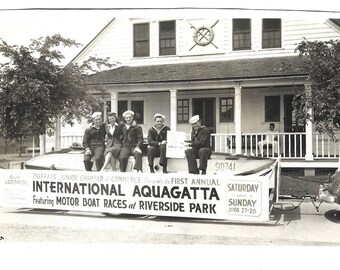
[95,114]
[194,119]
[158,115]
[128,112]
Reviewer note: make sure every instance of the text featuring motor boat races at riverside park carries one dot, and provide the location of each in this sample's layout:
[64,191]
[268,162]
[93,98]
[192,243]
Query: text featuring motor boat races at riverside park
[243,198]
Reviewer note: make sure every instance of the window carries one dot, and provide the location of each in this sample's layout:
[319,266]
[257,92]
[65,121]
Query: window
[241,34]
[182,110]
[227,110]
[138,108]
[122,107]
[141,40]
[271,33]
[272,108]
[167,38]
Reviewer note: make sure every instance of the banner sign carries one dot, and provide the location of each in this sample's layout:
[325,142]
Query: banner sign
[244,198]
[175,144]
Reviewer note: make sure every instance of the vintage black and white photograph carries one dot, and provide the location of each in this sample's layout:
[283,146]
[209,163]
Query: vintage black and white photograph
[169,135]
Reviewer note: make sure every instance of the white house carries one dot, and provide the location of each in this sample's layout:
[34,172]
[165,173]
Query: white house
[228,70]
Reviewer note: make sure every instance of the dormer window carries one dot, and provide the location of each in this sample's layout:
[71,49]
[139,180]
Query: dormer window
[141,40]
[167,38]
[271,33]
[241,34]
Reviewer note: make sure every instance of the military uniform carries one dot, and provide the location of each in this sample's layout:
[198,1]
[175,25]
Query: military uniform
[94,140]
[133,138]
[155,148]
[200,148]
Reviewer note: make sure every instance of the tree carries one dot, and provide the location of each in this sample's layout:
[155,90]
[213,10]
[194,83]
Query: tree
[321,61]
[35,88]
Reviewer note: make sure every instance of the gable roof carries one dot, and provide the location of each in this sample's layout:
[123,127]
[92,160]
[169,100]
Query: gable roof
[201,71]
[336,21]
[92,42]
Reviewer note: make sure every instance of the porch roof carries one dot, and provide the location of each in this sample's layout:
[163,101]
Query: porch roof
[202,71]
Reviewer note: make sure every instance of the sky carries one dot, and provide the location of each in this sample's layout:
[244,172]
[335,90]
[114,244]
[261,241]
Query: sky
[19,27]
[21,20]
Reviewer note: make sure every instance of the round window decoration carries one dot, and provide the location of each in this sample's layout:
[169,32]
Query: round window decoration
[203,35]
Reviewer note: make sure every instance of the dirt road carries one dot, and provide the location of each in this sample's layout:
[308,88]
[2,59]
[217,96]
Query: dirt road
[303,231]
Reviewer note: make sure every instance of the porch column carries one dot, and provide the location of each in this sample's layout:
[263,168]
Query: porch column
[238,139]
[114,102]
[42,144]
[173,109]
[309,131]
[57,134]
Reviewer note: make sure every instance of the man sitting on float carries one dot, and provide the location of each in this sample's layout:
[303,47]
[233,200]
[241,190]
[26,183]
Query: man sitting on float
[200,146]
[157,140]
[132,142]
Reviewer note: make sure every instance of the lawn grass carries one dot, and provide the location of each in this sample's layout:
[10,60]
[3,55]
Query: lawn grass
[295,185]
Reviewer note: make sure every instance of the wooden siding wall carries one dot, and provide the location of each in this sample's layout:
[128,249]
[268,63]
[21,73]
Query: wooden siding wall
[116,41]
[156,102]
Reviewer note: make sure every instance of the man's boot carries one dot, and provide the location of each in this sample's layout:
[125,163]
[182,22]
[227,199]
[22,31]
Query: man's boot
[88,165]
[151,169]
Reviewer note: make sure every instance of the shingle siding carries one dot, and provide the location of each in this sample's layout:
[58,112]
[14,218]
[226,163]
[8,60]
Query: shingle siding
[219,70]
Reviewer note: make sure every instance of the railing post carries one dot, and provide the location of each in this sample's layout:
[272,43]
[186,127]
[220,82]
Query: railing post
[173,109]
[309,131]
[238,126]
[114,102]
[57,136]
[42,144]
[309,141]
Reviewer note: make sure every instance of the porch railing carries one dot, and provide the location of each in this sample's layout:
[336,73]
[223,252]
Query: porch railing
[324,147]
[289,145]
[67,140]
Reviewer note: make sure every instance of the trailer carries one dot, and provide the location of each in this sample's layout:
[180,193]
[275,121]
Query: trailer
[235,188]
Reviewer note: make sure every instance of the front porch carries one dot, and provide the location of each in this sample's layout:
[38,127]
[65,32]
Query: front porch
[293,148]
[235,103]
[320,152]
[291,145]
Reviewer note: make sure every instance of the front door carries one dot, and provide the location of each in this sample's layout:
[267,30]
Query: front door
[291,124]
[205,108]
[293,144]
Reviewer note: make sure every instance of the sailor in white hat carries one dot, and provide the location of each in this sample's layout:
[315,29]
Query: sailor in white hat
[157,140]
[95,114]
[94,142]
[128,113]
[200,146]
[132,143]
[194,119]
[158,115]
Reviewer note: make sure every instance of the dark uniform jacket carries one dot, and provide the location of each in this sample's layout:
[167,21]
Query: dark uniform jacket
[115,139]
[200,138]
[94,136]
[155,136]
[133,137]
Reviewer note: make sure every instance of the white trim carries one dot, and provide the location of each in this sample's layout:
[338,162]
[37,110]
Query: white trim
[309,164]
[173,109]
[333,25]
[93,42]
[238,118]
